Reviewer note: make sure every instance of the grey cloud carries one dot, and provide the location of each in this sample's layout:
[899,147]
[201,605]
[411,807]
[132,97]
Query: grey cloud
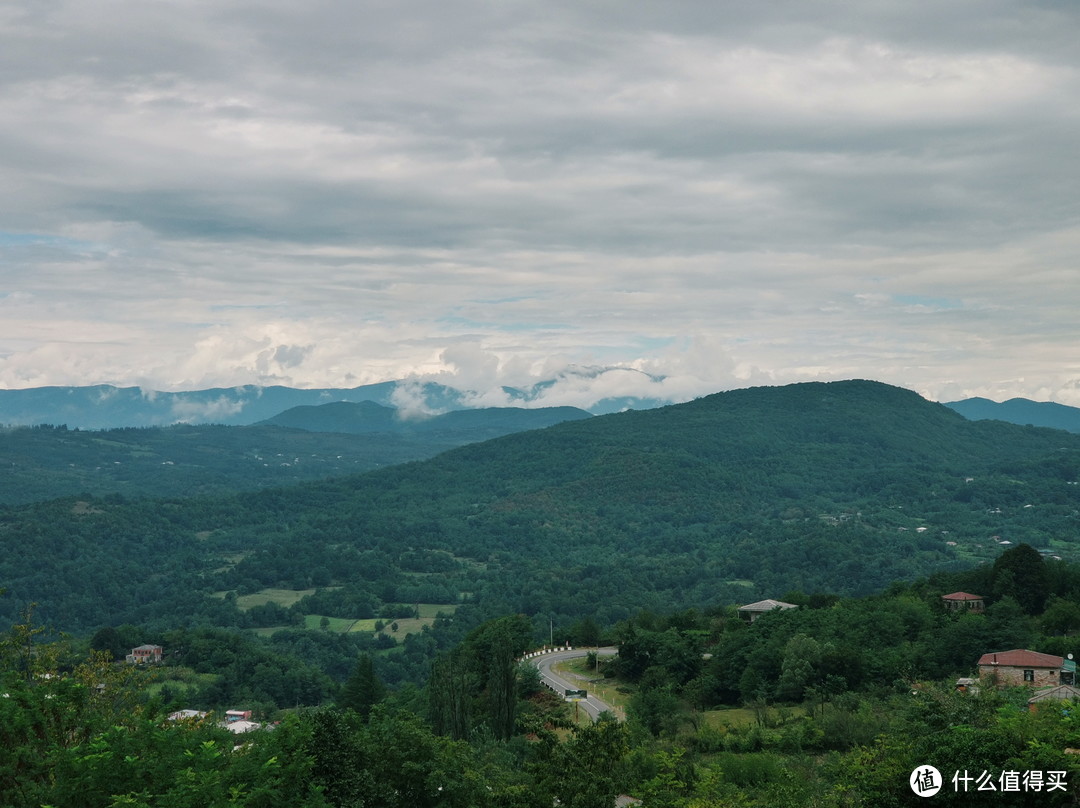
[347,180]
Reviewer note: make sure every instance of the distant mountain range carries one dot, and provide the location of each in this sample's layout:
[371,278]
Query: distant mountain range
[1020,411]
[106,407]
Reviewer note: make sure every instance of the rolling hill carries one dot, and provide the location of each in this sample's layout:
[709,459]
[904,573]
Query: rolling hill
[39,463]
[459,426]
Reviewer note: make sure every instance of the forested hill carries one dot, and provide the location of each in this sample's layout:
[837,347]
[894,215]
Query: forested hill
[841,487]
[46,462]
[463,426]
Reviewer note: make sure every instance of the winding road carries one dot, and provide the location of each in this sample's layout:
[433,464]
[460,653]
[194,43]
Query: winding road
[545,664]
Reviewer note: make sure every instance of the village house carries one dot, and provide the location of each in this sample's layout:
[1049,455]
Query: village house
[145,654]
[1021,667]
[960,601]
[240,727]
[753,611]
[188,715]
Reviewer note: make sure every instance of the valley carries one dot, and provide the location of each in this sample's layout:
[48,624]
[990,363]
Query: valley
[413,589]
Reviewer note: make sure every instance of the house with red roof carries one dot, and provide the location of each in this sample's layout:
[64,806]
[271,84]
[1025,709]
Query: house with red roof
[145,654]
[961,601]
[1022,667]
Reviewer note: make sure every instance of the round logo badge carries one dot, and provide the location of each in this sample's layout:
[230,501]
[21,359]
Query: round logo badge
[925,781]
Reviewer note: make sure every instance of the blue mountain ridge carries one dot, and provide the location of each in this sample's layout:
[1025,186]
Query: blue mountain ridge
[105,406]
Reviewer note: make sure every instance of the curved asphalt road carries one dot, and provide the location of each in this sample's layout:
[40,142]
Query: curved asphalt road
[592,705]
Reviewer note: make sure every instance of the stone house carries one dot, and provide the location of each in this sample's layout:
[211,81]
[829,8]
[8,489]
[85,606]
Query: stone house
[960,601]
[1021,667]
[144,654]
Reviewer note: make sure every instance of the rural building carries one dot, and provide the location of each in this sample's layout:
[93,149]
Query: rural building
[1022,667]
[240,727]
[237,715]
[753,611]
[145,654]
[187,715]
[961,601]
[1059,693]
[965,684]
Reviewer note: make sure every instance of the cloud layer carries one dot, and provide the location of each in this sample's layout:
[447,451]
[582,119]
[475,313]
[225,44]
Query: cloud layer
[323,194]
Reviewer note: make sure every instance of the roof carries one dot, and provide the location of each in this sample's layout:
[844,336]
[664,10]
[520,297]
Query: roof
[767,606]
[240,727]
[961,596]
[180,715]
[1061,693]
[1020,658]
[147,648]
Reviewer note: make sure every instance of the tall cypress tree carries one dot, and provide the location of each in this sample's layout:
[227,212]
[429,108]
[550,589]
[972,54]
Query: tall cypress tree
[363,690]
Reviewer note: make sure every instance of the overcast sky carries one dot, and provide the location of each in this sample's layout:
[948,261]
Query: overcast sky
[202,193]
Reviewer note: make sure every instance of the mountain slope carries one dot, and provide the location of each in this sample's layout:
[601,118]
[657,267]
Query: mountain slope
[458,426]
[843,486]
[301,444]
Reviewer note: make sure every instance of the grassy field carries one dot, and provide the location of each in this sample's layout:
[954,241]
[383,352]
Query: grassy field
[282,597]
[744,716]
[618,694]
[179,680]
[733,717]
[405,625]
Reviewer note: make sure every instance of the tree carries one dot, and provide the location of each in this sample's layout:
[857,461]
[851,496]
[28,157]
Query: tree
[1061,616]
[108,639]
[450,690]
[363,690]
[589,770]
[1020,572]
[655,707]
[802,655]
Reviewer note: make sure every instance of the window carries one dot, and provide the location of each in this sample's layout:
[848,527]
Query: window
[1029,675]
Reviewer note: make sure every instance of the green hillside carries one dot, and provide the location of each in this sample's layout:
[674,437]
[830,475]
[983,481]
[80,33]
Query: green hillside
[40,463]
[457,426]
[839,487]
[46,462]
